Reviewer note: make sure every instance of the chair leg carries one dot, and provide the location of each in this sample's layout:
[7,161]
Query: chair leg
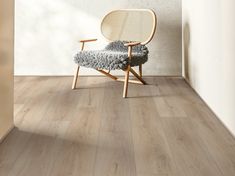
[125,89]
[140,70]
[137,76]
[75,77]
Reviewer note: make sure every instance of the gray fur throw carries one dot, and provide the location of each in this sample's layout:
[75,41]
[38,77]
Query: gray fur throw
[113,56]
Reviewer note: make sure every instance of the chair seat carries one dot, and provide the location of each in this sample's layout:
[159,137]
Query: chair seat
[113,56]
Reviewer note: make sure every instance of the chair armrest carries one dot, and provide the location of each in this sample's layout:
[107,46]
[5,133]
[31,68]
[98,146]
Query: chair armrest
[132,44]
[87,40]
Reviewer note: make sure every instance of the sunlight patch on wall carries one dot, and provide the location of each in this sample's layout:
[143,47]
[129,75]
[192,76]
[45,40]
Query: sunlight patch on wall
[48,32]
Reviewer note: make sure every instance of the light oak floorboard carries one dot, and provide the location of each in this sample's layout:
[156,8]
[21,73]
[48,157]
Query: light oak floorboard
[115,155]
[161,129]
[152,152]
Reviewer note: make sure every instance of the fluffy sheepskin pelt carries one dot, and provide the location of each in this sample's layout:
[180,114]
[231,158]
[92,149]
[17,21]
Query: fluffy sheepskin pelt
[113,56]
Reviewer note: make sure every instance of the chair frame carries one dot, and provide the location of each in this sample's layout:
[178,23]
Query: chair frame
[127,71]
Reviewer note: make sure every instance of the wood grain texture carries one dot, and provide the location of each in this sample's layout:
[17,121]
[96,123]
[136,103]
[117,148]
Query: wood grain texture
[162,129]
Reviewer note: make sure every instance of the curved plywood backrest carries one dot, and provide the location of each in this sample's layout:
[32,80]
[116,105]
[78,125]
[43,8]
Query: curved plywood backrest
[129,25]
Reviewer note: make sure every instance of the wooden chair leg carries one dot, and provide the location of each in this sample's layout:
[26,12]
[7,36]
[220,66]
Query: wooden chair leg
[125,89]
[140,70]
[137,76]
[107,74]
[75,77]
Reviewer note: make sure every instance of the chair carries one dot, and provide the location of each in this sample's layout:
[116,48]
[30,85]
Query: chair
[128,31]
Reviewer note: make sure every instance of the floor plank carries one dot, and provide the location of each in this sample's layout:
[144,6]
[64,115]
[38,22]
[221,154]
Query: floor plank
[161,129]
[152,153]
[115,155]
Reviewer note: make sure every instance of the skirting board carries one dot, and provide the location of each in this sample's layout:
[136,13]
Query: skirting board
[7,132]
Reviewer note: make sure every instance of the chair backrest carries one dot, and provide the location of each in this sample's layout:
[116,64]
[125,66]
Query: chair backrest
[129,25]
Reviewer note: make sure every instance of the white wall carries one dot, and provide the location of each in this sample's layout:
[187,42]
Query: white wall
[47,32]
[6,66]
[209,54]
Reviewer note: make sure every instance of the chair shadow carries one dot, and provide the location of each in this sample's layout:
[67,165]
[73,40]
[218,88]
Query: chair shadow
[110,85]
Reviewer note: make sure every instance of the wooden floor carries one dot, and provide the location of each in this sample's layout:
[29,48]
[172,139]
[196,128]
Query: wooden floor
[162,129]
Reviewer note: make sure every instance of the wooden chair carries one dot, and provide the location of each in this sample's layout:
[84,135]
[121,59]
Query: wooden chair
[135,25]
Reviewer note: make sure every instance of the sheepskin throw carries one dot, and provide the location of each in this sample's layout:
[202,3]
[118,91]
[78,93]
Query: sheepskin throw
[113,56]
